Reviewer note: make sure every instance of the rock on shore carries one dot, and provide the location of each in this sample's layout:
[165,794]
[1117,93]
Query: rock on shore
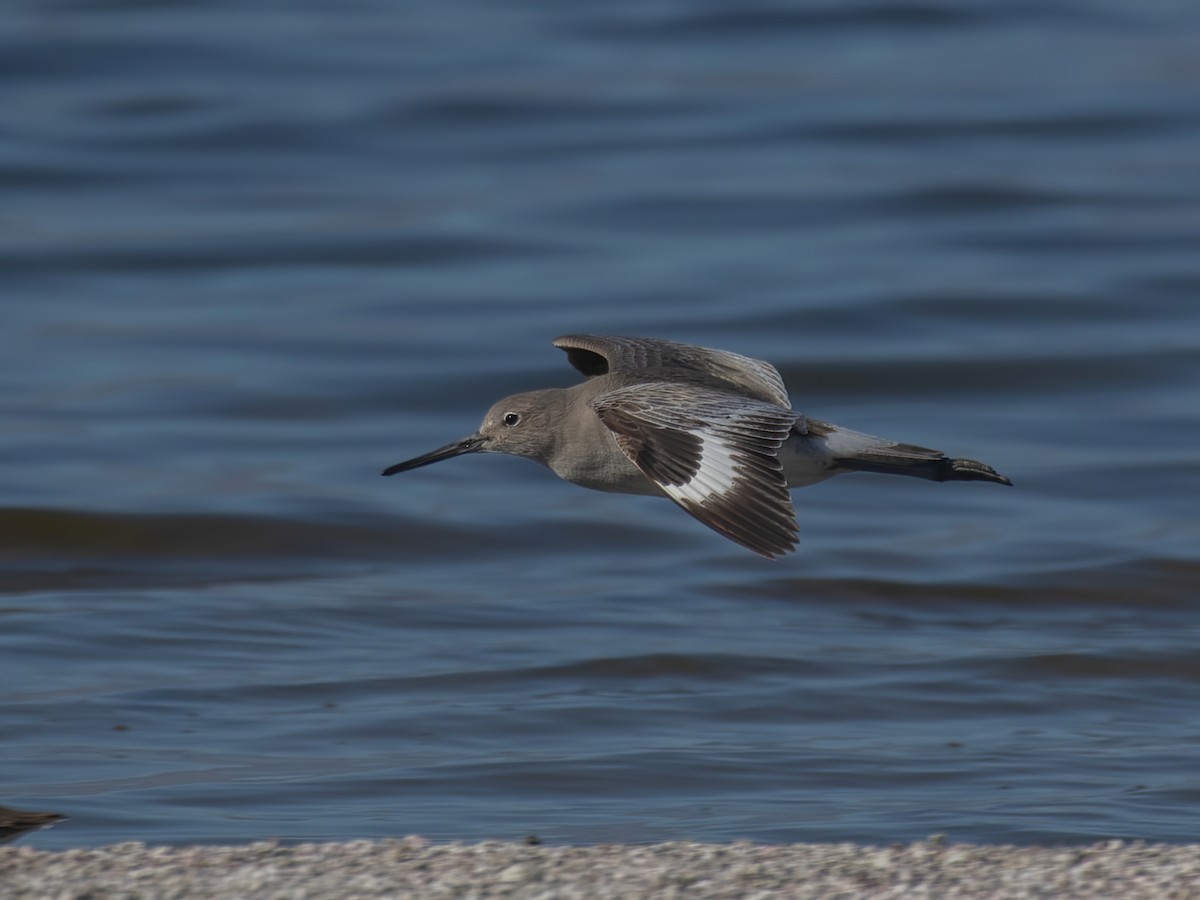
[415,868]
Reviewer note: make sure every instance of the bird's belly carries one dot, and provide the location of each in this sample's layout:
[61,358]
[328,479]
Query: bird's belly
[637,483]
[613,477]
[604,469]
[806,460]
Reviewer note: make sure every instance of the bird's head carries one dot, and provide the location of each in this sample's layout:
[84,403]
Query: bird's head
[521,425]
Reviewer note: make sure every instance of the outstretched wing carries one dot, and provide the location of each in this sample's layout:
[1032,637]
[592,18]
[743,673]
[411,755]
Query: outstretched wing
[597,354]
[713,453]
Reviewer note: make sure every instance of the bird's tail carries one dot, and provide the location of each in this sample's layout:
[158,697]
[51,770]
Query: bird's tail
[853,451]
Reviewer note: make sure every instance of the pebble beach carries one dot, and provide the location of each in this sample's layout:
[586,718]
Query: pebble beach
[413,867]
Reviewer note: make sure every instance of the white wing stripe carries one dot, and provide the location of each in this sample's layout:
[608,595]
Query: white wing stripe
[716,477]
[725,445]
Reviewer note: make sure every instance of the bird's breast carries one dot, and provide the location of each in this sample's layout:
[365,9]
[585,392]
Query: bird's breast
[598,463]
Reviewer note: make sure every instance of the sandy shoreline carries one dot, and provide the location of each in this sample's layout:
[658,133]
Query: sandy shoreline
[413,867]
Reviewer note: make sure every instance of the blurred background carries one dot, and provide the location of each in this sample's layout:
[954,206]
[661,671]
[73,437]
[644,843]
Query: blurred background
[253,252]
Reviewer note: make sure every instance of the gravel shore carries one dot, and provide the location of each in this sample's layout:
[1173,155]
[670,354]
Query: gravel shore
[413,867]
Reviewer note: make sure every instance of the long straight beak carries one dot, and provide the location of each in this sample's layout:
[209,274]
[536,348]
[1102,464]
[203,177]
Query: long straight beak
[471,444]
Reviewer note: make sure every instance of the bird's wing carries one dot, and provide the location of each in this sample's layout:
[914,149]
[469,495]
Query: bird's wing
[598,354]
[714,453]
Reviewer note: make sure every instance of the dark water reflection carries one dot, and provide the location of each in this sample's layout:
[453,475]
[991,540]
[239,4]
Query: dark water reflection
[251,256]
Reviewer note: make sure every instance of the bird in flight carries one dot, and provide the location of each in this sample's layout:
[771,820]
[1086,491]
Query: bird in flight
[713,431]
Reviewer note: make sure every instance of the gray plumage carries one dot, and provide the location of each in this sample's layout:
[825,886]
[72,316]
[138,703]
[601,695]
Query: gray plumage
[712,430]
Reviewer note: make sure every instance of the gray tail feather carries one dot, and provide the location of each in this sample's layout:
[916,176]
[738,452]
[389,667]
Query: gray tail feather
[918,462]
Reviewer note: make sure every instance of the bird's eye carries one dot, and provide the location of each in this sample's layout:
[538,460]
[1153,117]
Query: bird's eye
[511,419]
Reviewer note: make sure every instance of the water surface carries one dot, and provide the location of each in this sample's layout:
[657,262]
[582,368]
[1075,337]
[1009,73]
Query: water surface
[254,253]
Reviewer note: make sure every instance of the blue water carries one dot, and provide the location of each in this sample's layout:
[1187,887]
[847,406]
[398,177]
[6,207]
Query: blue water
[251,253]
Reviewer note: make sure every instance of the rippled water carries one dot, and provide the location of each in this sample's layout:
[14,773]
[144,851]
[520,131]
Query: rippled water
[253,253]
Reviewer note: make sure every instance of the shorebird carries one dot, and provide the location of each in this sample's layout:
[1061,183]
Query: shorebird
[712,430]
